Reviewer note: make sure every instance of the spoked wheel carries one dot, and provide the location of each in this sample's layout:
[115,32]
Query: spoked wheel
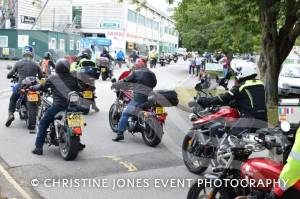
[153,133]
[114,117]
[69,146]
[199,191]
[194,163]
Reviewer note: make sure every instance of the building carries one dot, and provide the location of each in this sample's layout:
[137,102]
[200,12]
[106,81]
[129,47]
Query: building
[127,25]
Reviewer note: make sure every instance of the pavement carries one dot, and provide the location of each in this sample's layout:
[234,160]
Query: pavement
[138,170]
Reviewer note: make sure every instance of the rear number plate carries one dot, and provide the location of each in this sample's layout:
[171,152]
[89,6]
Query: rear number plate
[103,70]
[75,121]
[32,97]
[160,110]
[87,94]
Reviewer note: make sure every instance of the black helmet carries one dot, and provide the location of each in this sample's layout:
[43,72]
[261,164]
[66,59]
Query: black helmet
[28,52]
[86,53]
[47,55]
[62,66]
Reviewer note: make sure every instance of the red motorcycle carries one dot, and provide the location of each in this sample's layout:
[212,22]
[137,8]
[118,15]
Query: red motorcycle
[148,119]
[200,146]
[255,176]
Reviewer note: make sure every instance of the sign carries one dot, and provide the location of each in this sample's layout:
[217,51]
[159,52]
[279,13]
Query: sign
[27,19]
[23,40]
[110,24]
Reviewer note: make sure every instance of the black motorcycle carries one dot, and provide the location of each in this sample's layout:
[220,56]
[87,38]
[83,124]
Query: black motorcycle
[162,61]
[65,131]
[29,100]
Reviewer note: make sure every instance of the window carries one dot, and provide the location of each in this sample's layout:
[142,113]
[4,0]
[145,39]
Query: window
[62,44]
[155,25]
[52,44]
[77,15]
[78,45]
[3,41]
[148,23]
[141,20]
[71,44]
[132,16]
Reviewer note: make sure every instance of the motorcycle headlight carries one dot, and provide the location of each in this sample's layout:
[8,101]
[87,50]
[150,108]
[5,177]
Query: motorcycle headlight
[74,98]
[285,126]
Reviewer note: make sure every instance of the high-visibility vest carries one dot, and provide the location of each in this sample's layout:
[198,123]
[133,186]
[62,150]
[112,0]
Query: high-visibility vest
[290,173]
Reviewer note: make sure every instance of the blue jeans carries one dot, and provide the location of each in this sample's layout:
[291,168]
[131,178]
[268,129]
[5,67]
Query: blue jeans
[125,115]
[225,71]
[14,98]
[45,123]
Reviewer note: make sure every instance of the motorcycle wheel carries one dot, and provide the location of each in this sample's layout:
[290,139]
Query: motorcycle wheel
[196,165]
[69,146]
[104,76]
[21,113]
[114,117]
[153,132]
[31,115]
[200,191]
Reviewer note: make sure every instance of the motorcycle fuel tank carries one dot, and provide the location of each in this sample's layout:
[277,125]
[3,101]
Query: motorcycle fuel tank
[229,114]
[262,171]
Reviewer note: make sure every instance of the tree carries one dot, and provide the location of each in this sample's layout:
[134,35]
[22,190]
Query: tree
[277,20]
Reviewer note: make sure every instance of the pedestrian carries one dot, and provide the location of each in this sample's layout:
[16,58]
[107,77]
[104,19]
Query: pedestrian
[192,64]
[198,62]
[120,58]
[225,62]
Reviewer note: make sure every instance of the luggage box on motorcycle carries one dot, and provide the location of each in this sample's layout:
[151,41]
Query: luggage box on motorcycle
[88,72]
[166,98]
[289,110]
[102,61]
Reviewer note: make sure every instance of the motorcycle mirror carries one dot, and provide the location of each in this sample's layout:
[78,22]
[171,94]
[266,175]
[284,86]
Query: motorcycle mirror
[113,80]
[285,126]
[8,67]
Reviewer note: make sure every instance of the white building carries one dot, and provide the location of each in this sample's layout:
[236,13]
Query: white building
[124,23]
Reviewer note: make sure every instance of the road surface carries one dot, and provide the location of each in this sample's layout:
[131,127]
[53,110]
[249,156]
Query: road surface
[102,160]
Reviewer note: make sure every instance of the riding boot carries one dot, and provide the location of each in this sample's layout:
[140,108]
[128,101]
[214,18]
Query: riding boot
[119,138]
[10,119]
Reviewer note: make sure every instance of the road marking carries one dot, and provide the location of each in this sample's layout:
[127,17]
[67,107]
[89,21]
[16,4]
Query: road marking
[128,165]
[12,181]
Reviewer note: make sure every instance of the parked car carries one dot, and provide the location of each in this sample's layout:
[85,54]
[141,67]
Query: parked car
[289,80]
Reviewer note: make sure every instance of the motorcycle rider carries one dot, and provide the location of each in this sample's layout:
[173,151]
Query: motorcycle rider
[60,84]
[85,56]
[248,96]
[106,54]
[47,63]
[26,67]
[143,81]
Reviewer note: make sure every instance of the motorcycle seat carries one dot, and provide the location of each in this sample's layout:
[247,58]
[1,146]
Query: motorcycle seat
[60,115]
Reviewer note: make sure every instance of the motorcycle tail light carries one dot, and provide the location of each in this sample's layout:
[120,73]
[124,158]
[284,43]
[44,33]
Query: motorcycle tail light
[77,131]
[162,118]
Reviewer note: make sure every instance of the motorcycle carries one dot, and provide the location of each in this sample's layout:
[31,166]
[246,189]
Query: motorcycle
[66,129]
[260,172]
[169,59]
[149,119]
[200,146]
[104,65]
[162,61]
[175,58]
[29,100]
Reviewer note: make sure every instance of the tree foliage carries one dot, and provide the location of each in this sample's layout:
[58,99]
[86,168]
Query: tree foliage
[217,25]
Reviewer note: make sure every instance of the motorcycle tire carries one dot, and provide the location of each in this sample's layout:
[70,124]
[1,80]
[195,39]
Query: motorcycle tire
[153,132]
[189,163]
[114,117]
[69,146]
[199,190]
[21,113]
[104,76]
[31,118]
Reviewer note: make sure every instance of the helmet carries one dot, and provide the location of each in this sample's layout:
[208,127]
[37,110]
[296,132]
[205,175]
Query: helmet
[47,55]
[28,51]
[243,69]
[86,53]
[140,63]
[62,66]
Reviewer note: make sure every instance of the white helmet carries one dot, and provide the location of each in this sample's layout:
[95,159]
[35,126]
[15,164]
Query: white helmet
[243,68]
